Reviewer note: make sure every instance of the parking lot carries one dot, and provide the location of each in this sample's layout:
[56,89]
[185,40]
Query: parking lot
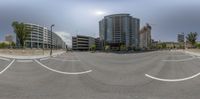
[85,75]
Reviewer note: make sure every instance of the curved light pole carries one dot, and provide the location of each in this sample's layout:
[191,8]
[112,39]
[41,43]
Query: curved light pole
[51,39]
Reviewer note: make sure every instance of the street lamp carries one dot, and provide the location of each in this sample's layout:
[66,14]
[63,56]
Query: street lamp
[51,39]
[184,41]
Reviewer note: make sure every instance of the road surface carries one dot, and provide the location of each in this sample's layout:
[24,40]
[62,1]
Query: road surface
[85,75]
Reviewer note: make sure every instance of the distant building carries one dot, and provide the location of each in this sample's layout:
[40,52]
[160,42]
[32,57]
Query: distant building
[40,37]
[9,38]
[181,40]
[145,37]
[180,37]
[81,42]
[154,44]
[120,29]
[98,44]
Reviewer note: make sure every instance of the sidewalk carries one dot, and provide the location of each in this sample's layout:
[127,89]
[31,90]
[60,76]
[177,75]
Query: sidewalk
[31,56]
[195,52]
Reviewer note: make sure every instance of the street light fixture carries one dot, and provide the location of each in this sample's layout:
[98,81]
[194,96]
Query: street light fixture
[51,39]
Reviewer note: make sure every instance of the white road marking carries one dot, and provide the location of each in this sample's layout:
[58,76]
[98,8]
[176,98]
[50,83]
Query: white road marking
[64,59]
[5,59]
[172,80]
[188,59]
[44,59]
[24,61]
[69,73]
[7,66]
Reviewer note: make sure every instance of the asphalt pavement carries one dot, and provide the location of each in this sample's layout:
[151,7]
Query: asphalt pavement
[85,75]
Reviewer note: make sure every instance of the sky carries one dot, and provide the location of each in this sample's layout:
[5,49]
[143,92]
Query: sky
[72,17]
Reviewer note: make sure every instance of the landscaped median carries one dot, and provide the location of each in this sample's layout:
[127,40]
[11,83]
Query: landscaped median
[28,53]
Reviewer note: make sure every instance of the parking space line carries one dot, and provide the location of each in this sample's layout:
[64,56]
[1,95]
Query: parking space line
[5,59]
[7,66]
[42,59]
[61,72]
[172,80]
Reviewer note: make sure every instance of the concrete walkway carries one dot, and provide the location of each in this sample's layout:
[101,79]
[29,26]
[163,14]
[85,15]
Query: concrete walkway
[194,52]
[30,57]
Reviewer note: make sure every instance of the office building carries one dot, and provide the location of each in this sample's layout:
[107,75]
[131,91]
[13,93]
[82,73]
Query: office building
[81,42]
[9,38]
[98,44]
[40,37]
[181,38]
[120,29]
[145,37]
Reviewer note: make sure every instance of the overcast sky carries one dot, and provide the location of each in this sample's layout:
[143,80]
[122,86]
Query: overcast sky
[71,17]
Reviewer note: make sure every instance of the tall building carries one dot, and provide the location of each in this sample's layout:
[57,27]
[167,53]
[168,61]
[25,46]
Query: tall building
[120,29]
[81,42]
[145,37]
[181,38]
[40,37]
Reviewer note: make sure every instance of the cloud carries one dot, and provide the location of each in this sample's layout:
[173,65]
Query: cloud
[67,38]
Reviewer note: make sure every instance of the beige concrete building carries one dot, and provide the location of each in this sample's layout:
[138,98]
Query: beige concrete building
[40,37]
[81,42]
[145,37]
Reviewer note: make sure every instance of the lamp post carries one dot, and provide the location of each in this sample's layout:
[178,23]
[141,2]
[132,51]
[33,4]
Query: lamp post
[185,44]
[51,39]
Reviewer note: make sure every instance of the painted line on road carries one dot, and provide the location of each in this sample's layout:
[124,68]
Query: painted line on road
[61,72]
[172,80]
[7,66]
[180,60]
[5,59]
[24,61]
[42,59]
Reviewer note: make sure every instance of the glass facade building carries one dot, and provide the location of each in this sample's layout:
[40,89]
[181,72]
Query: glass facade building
[120,29]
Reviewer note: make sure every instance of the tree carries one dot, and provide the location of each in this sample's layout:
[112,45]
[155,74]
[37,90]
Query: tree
[4,45]
[107,47]
[21,32]
[197,45]
[122,47]
[93,47]
[164,45]
[12,44]
[191,38]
